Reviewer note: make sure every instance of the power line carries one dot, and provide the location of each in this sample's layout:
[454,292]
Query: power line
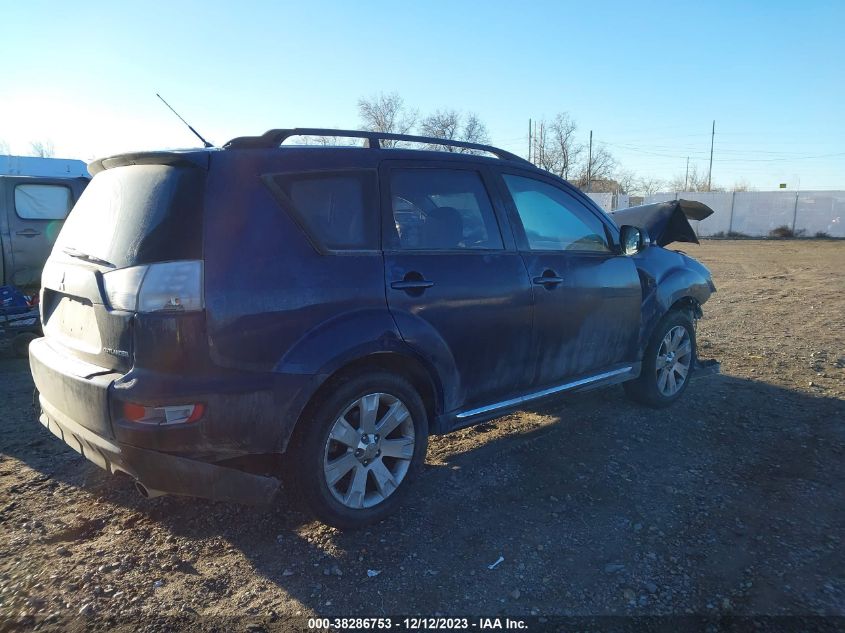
[724,160]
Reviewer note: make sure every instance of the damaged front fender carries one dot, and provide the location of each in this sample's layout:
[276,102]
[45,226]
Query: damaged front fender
[669,278]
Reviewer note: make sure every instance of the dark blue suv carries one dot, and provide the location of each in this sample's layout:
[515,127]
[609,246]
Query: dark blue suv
[208,311]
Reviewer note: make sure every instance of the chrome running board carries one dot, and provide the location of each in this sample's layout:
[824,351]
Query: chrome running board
[545,392]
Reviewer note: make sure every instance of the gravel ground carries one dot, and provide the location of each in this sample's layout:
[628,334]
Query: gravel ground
[730,502]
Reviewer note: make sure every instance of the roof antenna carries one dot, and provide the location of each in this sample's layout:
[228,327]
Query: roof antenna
[197,134]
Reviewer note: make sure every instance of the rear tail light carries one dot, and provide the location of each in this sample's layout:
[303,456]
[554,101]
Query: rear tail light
[122,287]
[164,287]
[172,414]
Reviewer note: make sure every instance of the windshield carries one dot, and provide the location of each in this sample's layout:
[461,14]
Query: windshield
[137,214]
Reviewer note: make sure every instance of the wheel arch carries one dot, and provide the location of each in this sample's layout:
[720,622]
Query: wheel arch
[405,364]
[679,287]
[689,304]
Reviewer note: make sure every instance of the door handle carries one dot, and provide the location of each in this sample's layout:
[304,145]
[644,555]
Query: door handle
[28,233]
[412,284]
[548,281]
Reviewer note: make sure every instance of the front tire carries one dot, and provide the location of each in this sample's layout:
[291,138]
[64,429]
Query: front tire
[668,362]
[356,452]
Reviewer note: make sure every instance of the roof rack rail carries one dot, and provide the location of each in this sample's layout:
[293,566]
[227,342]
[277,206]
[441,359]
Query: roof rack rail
[274,138]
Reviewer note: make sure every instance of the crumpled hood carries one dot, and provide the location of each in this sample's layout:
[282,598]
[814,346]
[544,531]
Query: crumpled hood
[666,222]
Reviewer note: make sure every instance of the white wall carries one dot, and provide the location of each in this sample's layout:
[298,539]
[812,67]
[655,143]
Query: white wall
[756,213]
[47,167]
[604,200]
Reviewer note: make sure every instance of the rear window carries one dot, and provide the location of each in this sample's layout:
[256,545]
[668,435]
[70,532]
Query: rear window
[42,202]
[138,214]
[338,210]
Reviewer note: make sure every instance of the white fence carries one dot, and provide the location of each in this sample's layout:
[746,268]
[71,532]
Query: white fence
[604,200]
[756,213]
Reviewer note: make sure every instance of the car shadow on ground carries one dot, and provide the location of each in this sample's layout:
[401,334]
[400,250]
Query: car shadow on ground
[727,502]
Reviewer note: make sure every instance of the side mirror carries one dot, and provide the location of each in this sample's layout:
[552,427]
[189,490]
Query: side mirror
[633,239]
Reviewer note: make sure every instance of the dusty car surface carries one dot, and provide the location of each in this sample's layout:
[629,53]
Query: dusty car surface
[209,311]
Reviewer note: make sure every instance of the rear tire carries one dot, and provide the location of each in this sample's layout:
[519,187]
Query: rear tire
[668,362]
[355,453]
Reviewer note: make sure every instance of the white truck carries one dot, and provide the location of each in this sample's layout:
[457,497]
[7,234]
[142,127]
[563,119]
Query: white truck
[36,194]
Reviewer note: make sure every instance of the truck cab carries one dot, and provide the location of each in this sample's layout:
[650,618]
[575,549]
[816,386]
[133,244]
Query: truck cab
[36,195]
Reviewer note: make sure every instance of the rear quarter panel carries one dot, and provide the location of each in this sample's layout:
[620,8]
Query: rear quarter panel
[266,287]
[274,304]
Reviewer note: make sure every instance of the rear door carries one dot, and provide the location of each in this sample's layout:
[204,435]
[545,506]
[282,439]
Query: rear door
[587,296]
[456,286]
[36,209]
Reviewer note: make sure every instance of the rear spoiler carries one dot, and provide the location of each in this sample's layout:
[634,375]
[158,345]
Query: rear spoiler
[176,158]
[666,222]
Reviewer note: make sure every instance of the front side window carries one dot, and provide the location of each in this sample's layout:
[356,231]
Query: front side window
[337,209]
[42,202]
[553,220]
[442,209]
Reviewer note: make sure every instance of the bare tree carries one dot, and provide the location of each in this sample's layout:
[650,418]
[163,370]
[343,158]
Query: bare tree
[677,183]
[555,146]
[566,148]
[626,180]
[692,181]
[324,141]
[598,166]
[442,124]
[648,185]
[386,113]
[742,185]
[455,126]
[543,151]
[475,131]
[44,149]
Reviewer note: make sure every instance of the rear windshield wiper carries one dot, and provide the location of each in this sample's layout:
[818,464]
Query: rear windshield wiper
[88,258]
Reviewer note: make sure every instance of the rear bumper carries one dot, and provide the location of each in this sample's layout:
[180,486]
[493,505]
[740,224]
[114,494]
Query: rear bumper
[165,473]
[67,399]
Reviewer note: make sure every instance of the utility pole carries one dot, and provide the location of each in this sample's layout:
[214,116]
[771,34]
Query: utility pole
[590,165]
[542,140]
[686,176]
[710,171]
[529,140]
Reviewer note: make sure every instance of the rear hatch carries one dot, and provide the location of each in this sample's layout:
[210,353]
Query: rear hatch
[141,209]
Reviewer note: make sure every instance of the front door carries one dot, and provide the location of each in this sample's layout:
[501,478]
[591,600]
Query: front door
[587,298]
[455,284]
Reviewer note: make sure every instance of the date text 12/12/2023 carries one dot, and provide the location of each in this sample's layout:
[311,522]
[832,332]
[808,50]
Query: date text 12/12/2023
[416,624]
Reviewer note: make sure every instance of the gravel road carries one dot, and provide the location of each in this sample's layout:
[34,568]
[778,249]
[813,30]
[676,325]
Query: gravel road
[730,502]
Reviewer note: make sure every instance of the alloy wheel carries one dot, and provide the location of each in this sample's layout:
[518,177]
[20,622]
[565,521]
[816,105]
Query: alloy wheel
[674,358]
[369,450]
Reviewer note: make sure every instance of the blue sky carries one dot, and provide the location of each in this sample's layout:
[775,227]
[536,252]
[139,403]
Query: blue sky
[647,78]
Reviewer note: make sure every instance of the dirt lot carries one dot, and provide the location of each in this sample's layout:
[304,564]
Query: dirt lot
[728,503]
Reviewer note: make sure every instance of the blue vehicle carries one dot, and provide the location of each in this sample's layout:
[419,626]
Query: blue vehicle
[212,314]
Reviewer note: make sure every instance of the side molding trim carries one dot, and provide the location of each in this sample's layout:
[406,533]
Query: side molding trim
[545,392]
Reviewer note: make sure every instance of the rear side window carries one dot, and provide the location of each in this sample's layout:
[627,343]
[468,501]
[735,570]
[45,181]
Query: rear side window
[553,220]
[442,209]
[42,202]
[338,210]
